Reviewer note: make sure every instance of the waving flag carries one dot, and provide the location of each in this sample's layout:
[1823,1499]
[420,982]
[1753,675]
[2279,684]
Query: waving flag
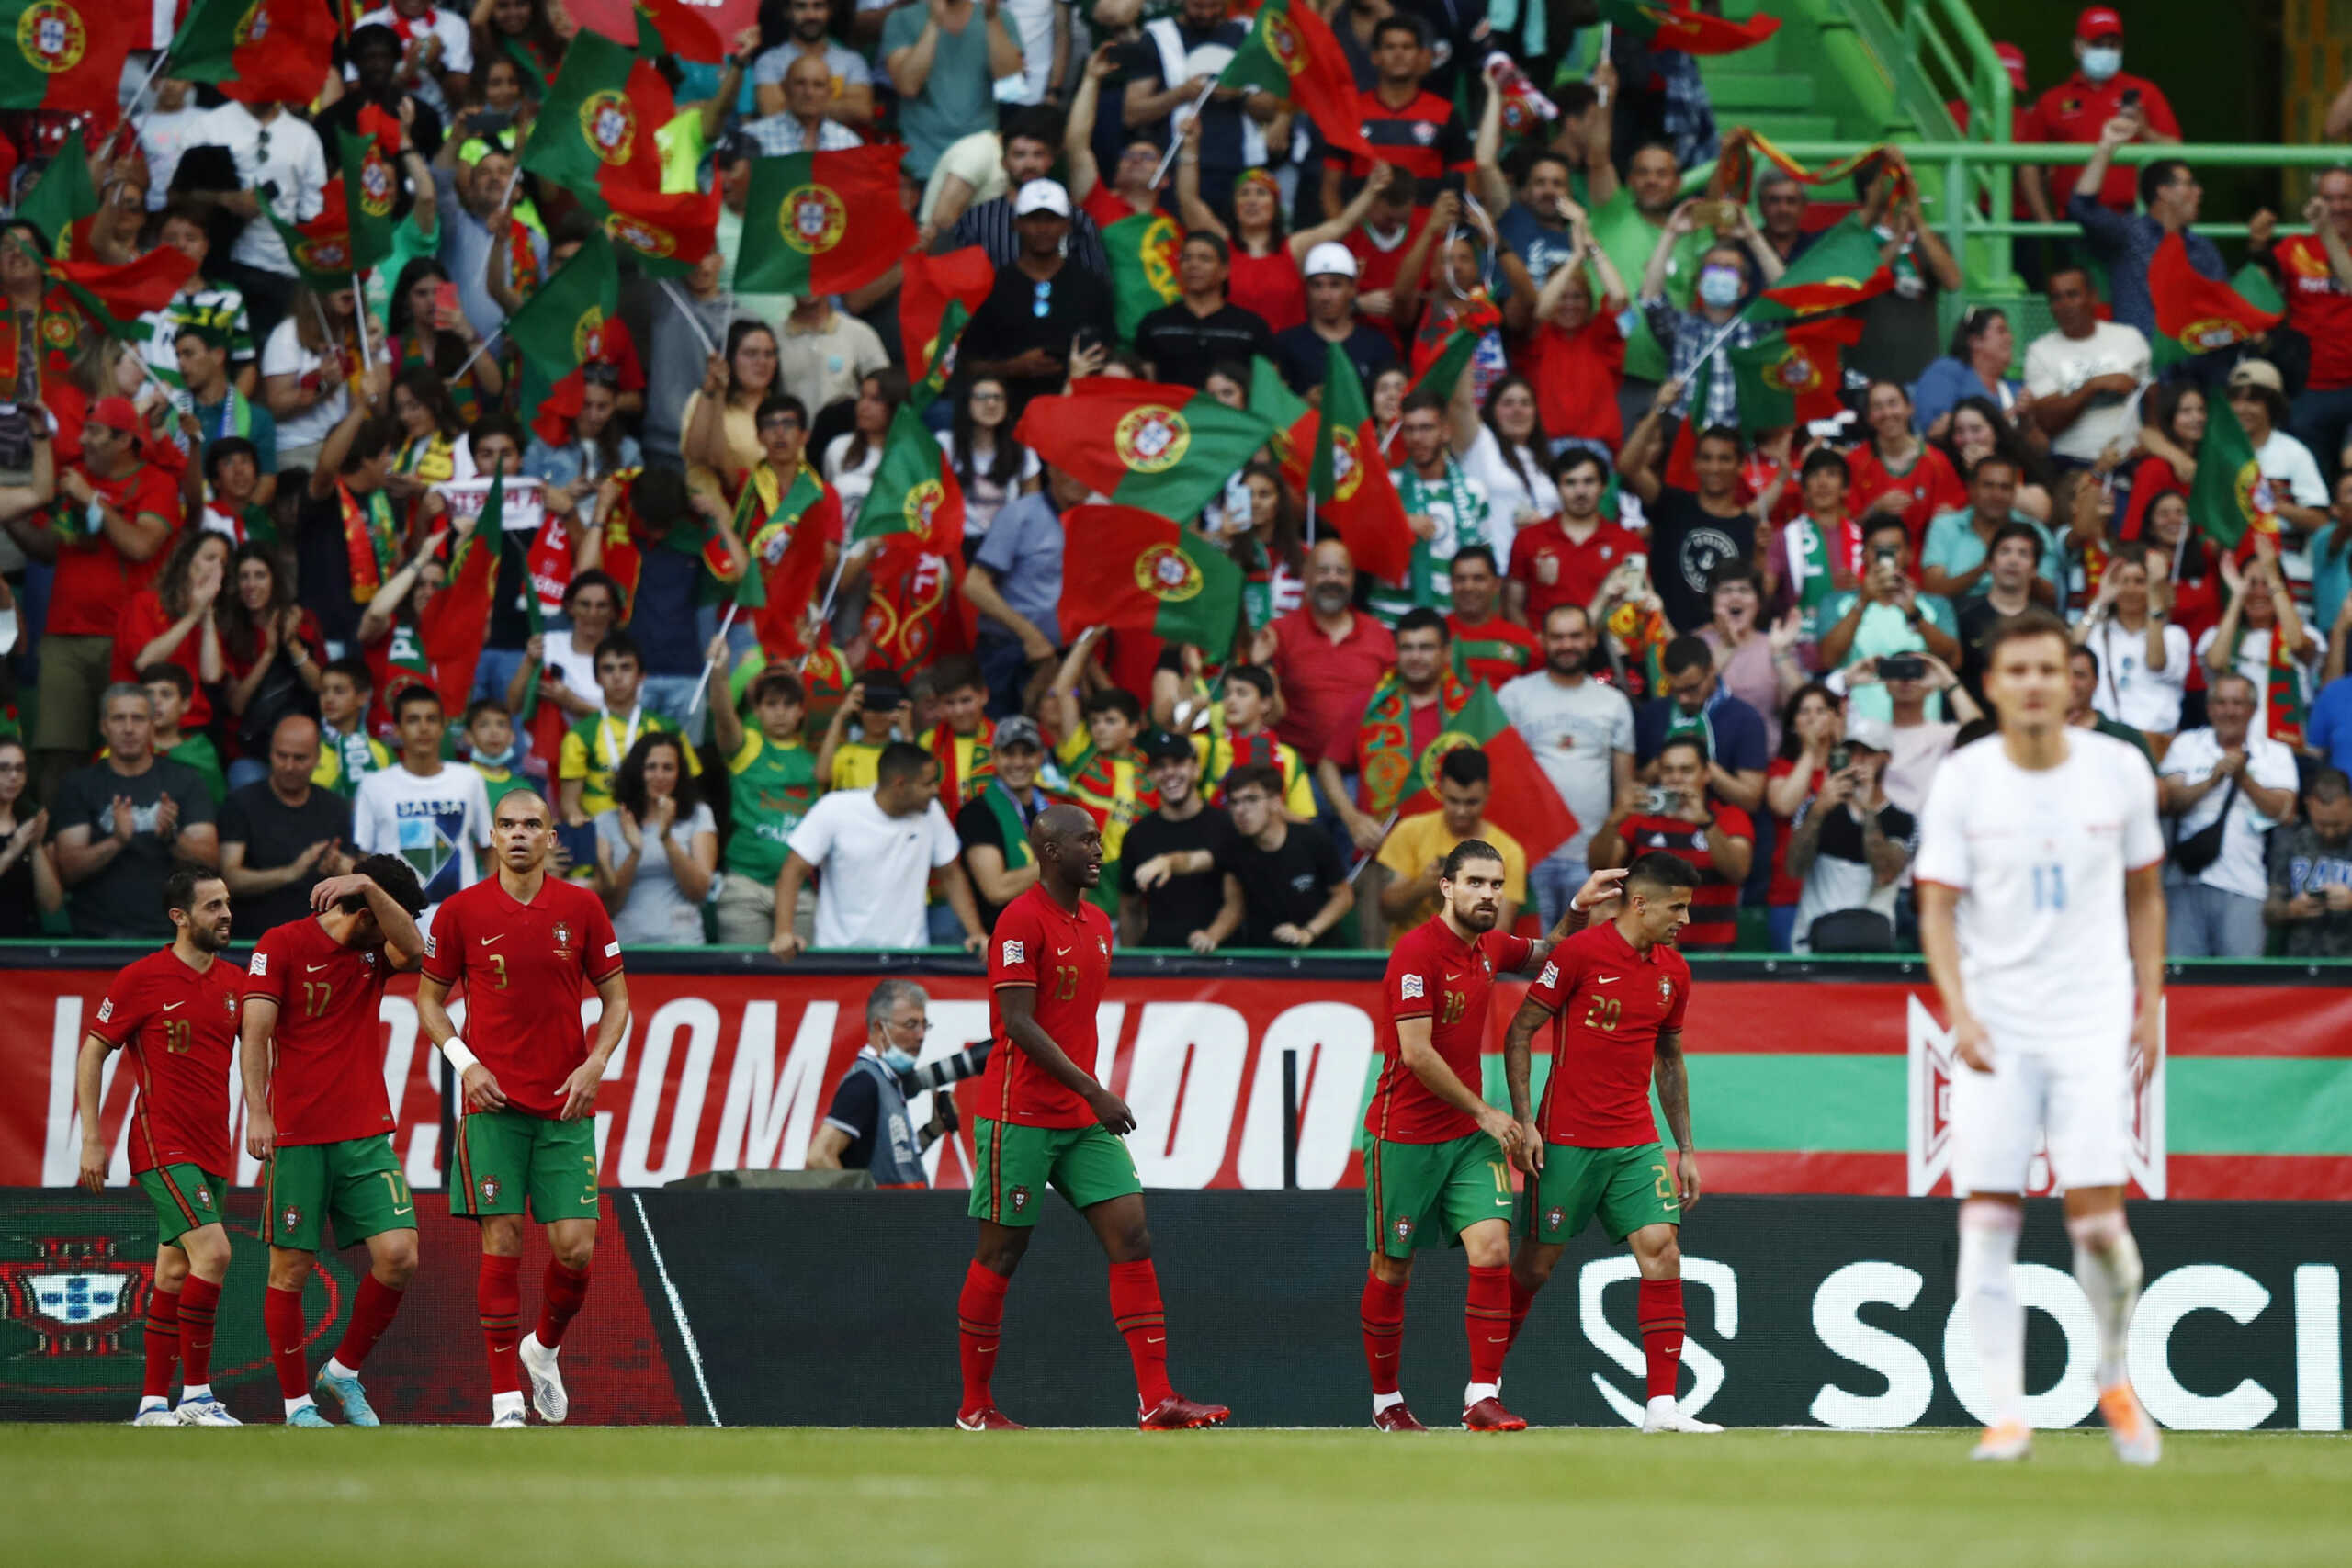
[320,248]
[257,52]
[1167,449]
[1692,32]
[65,56]
[562,324]
[2229,498]
[928,284]
[1522,802]
[667,235]
[1352,483]
[1141,572]
[596,130]
[1291,53]
[1841,269]
[915,494]
[116,297]
[798,217]
[1792,374]
[2196,315]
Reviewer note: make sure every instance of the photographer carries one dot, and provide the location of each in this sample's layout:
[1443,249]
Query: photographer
[1680,814]
[866,1127]
[1889,616]
[878,710]
[1851,843]
[1910,683]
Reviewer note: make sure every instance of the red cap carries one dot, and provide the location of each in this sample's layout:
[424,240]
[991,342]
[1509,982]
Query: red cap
[116,413]
[2097,22]
[2012,57]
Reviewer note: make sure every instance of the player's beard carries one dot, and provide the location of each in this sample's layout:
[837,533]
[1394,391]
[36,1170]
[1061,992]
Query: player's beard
[209,939]
[1477,918]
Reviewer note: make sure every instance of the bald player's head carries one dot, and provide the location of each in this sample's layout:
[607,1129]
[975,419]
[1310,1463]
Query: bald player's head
[522,830]
[1068,847]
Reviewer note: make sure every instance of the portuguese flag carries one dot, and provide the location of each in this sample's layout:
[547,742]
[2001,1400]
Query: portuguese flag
[371,186]
[1141,572]
[1841,269]
[666,235]
[1792,374]
[561,325]
[116,297]
[928,286]
[1167,449]
[320,248]
[1142,247]
[2230,499]
[596,130]
[923,393]
[1522,802]
[456,623]
[1348,478]
[798,215]
[1692,32]
[1291,53]
[65,56]
[673,23]
[787,545]
[2196,315]
[1441,350]
[257,52]
[915,494]
[1292,416]
[62,194]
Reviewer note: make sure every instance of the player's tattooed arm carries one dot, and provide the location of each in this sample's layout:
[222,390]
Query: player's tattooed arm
[1674,1099]
[1020,1005]
[1518,1063]
[1602,888]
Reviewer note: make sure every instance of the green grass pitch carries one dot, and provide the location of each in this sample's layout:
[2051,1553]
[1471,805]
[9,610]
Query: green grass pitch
[423,1496]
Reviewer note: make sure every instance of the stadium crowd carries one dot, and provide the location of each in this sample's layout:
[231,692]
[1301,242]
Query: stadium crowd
[229,530]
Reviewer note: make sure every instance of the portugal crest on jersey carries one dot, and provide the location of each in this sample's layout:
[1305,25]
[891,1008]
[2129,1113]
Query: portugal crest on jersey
[1151,438]
[490,1188]
[290,1219]
[1404,1227]
[1020,1199]
[562,940]
[50,36]
[1666,990]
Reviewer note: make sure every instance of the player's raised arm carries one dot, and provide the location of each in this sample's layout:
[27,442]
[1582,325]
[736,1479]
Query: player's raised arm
[1603,886]
[89,1070]
[1422,1060]
[1020,1005]
[1674,1097]
[403,943]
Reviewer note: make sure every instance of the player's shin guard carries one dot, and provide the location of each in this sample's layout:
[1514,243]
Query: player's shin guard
[281,1319]
[1988,1255]
[163,1343]
[2106,1265]
[500,1299]
[1522,1297]
[1486,1319]
[371,1315]
[561,1291]
[980,1321]
[1383,1331]
[1135,1306]
[199,1299]
[1657,1312]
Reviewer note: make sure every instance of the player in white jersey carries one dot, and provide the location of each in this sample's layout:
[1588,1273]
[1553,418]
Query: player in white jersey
[2041,912]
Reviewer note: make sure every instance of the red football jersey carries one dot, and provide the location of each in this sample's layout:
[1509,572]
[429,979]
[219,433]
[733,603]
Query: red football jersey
[328,1083]
[1066,959]
[178,1029]
[1435,975]
[1611,1003]
[523,965]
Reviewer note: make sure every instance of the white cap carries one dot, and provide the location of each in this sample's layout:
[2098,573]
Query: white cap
[1042,196]
[1867,730]
[1331,257]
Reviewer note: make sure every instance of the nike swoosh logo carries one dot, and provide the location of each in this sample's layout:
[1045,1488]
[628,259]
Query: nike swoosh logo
[292,1350]
[1496,1339]
[488,940]
[1384,1355]
[1061,953]
[409,1210]
[169,1006]
[1607,979]
[313,968]
[1162,1341]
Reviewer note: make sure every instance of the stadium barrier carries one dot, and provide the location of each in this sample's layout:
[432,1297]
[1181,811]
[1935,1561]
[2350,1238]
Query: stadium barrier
[1814,1078]
[746,1308]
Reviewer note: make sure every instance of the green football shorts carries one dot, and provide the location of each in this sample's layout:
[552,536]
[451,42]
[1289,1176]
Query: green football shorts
[357,1182]
[1459,1181]
[186,1198]
[1628,1188]
[506,1156]
[1086,1165]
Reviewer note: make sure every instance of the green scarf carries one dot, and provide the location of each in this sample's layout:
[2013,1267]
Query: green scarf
[1384,761]
[1011,826]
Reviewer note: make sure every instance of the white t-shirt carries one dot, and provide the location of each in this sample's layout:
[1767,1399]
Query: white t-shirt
[1511,504]
[2039,857]
[874,868]
[2057,365]
[456,37]
[283,355]
[294,162]
[2253,661]
[578,670]
[162,139]
[2288,464]
[851,484]
[1574,732]
[2240,867]
[1031,23]
[437,824]
[2129,692]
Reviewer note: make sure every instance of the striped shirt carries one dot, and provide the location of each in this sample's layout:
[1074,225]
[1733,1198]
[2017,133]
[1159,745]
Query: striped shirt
[990,226]
[782,135]
[1686,335]
[1714,903]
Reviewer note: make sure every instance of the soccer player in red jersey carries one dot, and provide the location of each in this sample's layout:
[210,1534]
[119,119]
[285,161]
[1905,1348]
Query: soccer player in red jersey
[1435,1147]
[1050,1122]
[523,942]
[317,1114]
[174,1015]
[1617,991]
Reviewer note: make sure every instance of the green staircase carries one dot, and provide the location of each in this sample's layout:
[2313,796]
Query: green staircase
[1813,80]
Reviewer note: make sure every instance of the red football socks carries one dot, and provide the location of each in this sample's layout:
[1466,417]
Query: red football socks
[562,1291]
[1486,1319]
[499,1296]
[1134,1307]
[163,1342]
[1658,1314]
[1522,1298]
[198,1298]
[980,1320]
[371,1315]
[281,1319]
[1383,1331]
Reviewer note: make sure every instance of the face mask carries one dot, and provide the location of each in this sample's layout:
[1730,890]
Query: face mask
[2102,62]
[899,1060]
[497,758]
[1719,287]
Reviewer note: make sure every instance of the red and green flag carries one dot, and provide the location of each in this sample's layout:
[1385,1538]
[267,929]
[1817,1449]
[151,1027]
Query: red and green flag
[1141,572]
[1349,480]
[941,363]
[454,625]
[666,27]
[1167,449]
[667,235]
[786,534]
[2196,315]
[65,56]
[320,248]
[1840,269]
[1292,416]
[371,189]
[561,325]
[915,495]
[257,52]
[1789,376]
[1291,53]
[116,297]
[799,215]
[1743,147]
[61,196]
[596,130]
[1442,347]
[1522,802]
[1142,247]
[928,286]
[1692,32]
[2229,498]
